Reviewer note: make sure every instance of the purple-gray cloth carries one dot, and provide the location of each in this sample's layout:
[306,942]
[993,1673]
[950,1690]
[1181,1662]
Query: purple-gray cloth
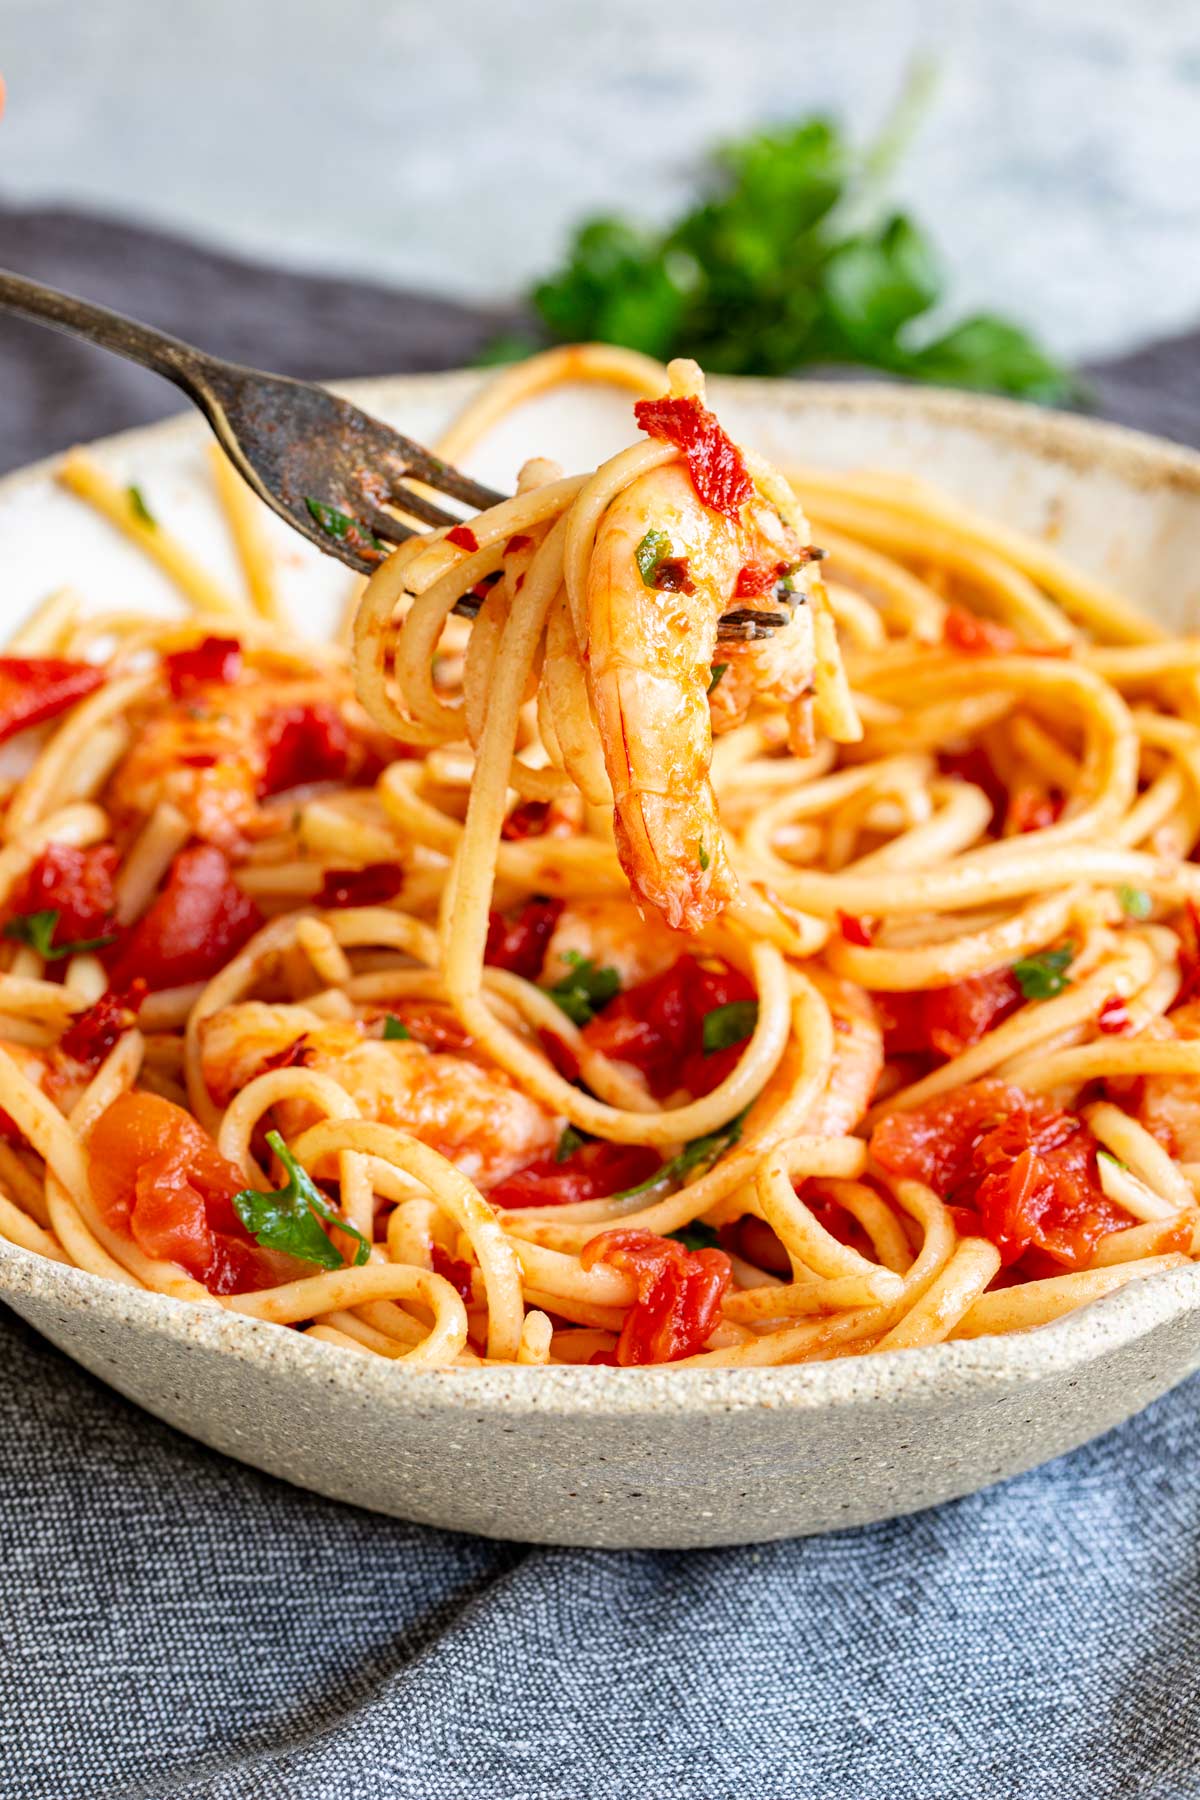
[172,1624]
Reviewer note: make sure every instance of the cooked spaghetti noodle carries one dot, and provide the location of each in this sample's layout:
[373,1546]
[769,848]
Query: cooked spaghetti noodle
[579,983]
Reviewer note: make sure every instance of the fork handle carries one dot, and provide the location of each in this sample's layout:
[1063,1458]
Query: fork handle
[179,362]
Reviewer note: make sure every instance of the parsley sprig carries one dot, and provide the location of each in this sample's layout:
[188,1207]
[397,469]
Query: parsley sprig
[728,1025]
[1043,976]
[586,989]
[290,1219]
[37,930]
[790,257]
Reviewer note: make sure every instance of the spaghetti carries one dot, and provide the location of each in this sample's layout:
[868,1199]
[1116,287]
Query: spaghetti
[578,984]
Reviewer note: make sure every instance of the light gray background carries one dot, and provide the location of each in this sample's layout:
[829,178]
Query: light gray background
[449,143]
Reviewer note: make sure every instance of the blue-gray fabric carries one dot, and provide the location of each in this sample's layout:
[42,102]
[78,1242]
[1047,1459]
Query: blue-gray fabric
[172,1624]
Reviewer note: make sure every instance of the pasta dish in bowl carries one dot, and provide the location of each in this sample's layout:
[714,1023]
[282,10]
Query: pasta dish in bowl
[706,914]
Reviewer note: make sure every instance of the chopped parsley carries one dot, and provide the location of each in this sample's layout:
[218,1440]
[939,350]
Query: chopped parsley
[700,1150]
[718,669]
[702,856]
[138,507]
[1041,977]
[654,549]
[728,1025]
[339,524]
[290,1220]
[394,1029]
[696,1236]
[1135,902]
[37,930]
[585,990]
[570,1141]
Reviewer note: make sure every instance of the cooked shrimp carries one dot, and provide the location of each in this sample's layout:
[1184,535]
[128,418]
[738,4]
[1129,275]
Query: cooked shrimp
[650,656]
[610,933]
[1169,1105]
[474,1116]
[857,1056]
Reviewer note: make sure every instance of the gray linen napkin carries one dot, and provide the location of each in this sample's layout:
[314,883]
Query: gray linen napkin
[172,1624]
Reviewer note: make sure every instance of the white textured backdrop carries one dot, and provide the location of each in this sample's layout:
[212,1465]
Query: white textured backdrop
[450,143]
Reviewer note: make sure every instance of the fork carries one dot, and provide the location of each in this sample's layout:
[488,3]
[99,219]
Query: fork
[327,468]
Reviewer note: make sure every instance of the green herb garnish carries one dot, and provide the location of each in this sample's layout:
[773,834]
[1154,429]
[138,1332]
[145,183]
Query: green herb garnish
[791,257]
[568,1144]
[718,669]
[1041,977]
[699,1150]
[702,856]
[727,1025]
[339,524]
[290,1219]
[1135,902]
[395,1030]
[651,553]
[138,507]
[37,930]
[585,990]
[696,1236]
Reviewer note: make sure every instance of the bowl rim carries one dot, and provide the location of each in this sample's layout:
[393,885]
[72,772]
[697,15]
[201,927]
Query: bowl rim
[1104,1326]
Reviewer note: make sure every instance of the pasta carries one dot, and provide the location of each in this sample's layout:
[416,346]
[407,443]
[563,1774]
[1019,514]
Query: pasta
[651,938]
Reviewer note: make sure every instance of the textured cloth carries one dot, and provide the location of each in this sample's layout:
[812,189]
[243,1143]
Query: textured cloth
[172,1624]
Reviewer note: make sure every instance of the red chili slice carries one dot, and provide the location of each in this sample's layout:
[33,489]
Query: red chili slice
[1113,1016]
[856,930]
[35,688]
[714,461]
[213,659]
[756,579]
[462,537]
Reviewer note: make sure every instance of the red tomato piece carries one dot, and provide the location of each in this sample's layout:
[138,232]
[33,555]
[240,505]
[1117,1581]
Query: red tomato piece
[157,1177]
[591,1172]
[964,630]
[76,884]
[34,688]
[946,1021]
[1113,1016]
[455,1270]
[518,943]
[519,541]
[756,579]
[1025,1171]
[1030,809]
[213,659]
[92,1034]
[658,1026]
[713,459]
[679,1293]
[856,930]
[527,820]
[372,885]
[1188,928]
[462,537]
[304,744]
[191,929]
[976,766]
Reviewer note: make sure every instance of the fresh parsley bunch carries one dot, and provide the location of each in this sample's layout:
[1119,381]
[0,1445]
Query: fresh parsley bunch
[788,260]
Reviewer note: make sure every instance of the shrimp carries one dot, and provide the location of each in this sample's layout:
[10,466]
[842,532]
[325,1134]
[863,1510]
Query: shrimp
[1169,1105]
[472,1115]
[650,654]
[857,1056]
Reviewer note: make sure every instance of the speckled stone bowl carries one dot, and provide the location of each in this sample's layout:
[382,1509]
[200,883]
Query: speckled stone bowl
[625,1457]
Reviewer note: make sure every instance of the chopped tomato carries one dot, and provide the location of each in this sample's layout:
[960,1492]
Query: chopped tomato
[856,930]
[1187,927]
[1032,809]
[518,943]
[157,1177]
[527,820]
[946,1021]
[591,1172]
[679,1293]
[34,688]
[455,1270]
[964,630]
[190,930]
[1022,1170]
[755,579]
[370,886]
[658,1026]
[713,459]
[462,537]
[1113,1016]
[304,744]
[76,884]
[213,659]
[976,766]
[519,541]
[92,1034]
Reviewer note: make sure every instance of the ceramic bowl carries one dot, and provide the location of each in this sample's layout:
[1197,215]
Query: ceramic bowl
[613,1457]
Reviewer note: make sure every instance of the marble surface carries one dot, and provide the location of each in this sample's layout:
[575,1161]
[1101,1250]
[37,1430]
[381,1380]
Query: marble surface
[451,146]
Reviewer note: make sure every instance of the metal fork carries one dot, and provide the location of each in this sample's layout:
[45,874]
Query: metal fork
[322,464]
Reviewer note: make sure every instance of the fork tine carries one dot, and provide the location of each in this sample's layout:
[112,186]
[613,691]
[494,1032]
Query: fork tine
[384,525]
[418,507]
[450,481]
